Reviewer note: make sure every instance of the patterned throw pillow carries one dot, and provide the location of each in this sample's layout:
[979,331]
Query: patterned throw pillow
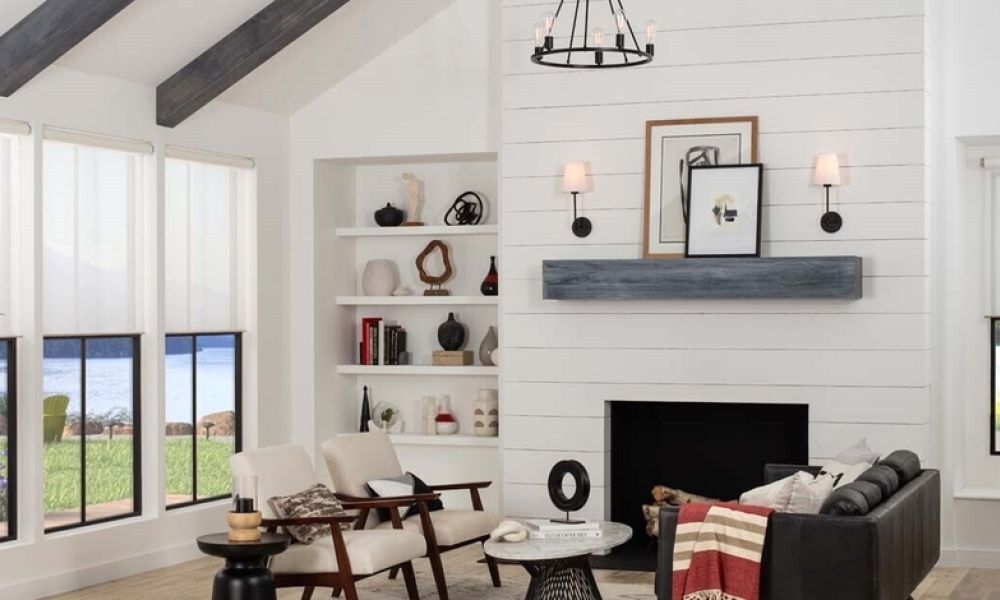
[317,501]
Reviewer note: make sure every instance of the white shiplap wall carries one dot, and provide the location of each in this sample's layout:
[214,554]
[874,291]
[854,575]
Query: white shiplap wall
[845,77]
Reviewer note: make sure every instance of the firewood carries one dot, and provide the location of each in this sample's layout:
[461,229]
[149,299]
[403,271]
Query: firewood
[664,495]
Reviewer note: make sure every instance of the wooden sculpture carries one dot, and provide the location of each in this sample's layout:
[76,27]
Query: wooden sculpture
[435,281]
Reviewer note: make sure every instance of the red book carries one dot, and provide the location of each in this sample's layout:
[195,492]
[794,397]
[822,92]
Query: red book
[366,339]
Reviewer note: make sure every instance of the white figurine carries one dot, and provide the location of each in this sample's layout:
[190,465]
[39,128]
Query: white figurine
[414,199]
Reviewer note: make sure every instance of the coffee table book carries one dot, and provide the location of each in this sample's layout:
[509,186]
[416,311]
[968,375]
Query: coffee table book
[548,526]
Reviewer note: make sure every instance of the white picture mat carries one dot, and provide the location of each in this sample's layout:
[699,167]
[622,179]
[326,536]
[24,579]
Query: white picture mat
[668,143]
[710,235]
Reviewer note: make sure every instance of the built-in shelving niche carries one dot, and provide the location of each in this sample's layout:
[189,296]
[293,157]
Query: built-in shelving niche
[348,192]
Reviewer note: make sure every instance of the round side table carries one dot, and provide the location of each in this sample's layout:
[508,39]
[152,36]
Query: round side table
[245,576]
[560,569]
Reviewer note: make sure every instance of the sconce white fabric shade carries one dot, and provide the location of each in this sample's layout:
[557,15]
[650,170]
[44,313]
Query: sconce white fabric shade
[827,170]
[575,178]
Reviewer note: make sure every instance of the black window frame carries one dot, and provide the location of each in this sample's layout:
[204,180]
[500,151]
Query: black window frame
[238,409]
[11,344]
[136,429]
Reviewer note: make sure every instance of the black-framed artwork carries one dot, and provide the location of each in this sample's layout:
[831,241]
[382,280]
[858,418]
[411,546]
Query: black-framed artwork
[724,210]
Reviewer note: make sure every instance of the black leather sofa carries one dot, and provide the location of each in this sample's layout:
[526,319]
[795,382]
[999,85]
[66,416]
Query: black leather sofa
[882,555]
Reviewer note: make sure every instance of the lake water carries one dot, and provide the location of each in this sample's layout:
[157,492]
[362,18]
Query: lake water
[109,383]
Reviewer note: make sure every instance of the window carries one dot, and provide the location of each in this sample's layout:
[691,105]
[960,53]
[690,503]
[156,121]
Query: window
[203,415]
[6,228]
[204,279]
[90,402]
[995,380]
[8,442]
[90,428]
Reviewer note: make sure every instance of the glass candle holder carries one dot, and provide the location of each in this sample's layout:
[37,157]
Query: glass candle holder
[245,494]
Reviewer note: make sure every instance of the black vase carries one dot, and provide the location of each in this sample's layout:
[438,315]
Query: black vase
[451,334]
[389,216]
[491,284]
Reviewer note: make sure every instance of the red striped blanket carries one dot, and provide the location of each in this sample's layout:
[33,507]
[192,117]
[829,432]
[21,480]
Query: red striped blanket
[717,551]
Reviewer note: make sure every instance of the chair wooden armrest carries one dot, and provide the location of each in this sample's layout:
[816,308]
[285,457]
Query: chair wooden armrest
[472,486]
[392,503]
[293,521]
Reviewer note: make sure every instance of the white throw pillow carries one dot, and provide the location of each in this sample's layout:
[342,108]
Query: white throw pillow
[843,473]
[808,493]
[857,453]
[773,495]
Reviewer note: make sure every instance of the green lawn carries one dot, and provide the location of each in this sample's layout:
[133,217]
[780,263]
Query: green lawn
[109,470]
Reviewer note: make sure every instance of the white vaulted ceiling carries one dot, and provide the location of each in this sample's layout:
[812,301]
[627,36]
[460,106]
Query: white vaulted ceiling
[151,39]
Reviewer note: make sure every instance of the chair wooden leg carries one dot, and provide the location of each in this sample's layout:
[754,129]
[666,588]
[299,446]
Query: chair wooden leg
[491,564]
[336,592]
[393,573]
[350,592]
[411,582]
[307,593]
[434,556]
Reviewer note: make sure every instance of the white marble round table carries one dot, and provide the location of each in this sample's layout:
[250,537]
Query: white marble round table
[560,569]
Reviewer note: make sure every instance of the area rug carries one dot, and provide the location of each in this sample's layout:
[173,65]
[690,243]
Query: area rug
[474,587]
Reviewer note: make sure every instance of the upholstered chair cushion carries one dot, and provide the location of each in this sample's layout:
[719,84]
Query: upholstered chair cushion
[369,552]
[317,501]
[453,526]
[354,459]
[280,471]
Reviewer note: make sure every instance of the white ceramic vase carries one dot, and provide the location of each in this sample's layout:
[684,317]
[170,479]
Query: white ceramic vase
[380,278]
[487,413]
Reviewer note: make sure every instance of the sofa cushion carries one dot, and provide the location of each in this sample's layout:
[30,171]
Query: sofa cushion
[809,493]
[858,453]
[369,552]
[905,463]
[852,500]
[453,526]
[843,473]
[884,477]
[774,495]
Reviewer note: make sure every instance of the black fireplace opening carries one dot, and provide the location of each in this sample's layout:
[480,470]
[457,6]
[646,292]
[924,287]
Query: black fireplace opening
[711,449]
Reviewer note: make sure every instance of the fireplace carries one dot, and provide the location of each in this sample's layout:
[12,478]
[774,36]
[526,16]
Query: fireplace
[711,449]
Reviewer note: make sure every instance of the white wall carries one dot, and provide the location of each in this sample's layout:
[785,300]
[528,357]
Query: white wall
[419,97]
[844,77]
[967,127]
[37,564]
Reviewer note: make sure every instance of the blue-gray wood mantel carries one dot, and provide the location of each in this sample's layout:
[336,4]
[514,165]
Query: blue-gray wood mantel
[812,277]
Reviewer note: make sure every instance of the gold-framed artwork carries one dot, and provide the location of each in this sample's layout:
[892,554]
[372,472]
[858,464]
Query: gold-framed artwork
[672,147]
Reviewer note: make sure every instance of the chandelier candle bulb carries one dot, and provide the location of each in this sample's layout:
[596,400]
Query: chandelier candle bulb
[539,37]
[620,23]
[650,36]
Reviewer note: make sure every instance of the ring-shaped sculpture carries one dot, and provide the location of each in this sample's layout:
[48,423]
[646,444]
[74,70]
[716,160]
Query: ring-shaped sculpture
[581,480]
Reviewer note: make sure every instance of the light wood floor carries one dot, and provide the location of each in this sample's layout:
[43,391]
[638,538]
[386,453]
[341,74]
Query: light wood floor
[193,581]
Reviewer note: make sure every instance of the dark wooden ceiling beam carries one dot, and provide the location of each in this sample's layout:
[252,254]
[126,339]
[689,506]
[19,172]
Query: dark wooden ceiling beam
[278,24]
[47,33]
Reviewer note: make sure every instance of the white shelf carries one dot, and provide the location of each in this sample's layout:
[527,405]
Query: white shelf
[418,439]
[425,230]
[417,300]
[471,371]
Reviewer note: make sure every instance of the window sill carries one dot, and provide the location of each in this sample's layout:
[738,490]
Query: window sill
[190,508]
[84,529]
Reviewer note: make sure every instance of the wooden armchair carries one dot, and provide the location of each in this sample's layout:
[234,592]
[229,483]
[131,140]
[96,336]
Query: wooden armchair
[355,459]
[345,557]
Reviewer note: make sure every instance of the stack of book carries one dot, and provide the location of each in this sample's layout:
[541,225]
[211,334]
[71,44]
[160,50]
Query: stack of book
[381,344]
[544,529]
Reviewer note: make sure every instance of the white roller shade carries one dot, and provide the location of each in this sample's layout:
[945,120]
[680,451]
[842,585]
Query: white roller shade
[12,127]
[211,158]
[202,260]
[6,233]
[81,138]
[90,205]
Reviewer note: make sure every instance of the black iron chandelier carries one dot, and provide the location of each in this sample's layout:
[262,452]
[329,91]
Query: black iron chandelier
[591,51]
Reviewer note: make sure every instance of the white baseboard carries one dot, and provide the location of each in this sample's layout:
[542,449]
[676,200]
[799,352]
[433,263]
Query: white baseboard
[975,558]
[80,578]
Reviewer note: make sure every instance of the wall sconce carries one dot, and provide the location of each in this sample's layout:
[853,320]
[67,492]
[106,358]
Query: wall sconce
[827,174]
[575,181]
